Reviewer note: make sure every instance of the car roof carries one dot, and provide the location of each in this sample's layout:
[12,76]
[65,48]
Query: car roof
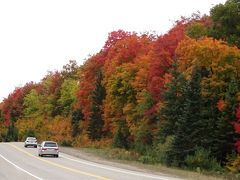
[49,142]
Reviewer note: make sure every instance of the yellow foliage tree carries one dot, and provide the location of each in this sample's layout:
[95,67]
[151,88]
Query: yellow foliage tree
[219,61]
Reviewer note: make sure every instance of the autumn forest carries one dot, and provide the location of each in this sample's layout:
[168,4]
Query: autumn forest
[172,99]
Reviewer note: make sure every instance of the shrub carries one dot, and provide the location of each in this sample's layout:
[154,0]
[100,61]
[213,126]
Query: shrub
[202,160]
[143,139]
[141,148]
[122,154]
[67,143]
[120,139]
[162,150]
[233,163]
[147,159]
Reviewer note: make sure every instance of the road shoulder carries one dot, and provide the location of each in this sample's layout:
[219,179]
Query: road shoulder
[136,166]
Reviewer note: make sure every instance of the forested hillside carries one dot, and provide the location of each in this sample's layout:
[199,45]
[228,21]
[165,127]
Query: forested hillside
[172,99]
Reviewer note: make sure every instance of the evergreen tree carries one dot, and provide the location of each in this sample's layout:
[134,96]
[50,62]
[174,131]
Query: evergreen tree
[12,133]
[173,103]
[30,132]
[219,135]
[210,115]
[189,125]
[225,135]
[96,122]
[1,115]
[120,139]
[77,116]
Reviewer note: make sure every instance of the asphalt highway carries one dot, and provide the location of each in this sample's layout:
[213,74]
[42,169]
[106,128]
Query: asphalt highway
[17,162]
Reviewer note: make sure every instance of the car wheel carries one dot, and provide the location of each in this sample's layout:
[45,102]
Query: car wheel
[35,146]
[56,155]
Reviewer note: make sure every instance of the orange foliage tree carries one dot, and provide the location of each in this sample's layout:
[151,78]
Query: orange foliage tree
[123,68]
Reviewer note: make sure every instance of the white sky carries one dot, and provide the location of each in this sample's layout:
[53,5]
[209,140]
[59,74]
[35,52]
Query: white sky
[40,36]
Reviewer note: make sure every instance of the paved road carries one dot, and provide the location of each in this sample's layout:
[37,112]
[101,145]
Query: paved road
[17,162]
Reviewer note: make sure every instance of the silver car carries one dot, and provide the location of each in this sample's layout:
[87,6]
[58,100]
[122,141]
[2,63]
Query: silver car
[48,148]
[30,141]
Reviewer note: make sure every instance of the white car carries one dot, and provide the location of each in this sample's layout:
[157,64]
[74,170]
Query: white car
[48,148]
[30,141]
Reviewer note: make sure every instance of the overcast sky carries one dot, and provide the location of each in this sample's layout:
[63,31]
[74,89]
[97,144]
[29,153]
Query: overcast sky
[41,36]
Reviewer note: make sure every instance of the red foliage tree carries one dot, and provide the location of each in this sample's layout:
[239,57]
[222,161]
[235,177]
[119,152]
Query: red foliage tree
[87,84]
[162,56]
[12,107]
[113,37]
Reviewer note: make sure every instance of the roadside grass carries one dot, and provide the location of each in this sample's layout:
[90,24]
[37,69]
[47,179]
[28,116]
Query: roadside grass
[131,159]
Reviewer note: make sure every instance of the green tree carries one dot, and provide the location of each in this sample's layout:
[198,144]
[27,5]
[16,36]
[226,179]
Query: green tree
[209,116]
[67,96]
[77,116]
[121,137]
[225,136]
[226,22]
[12,133]
[189,126]
[96,122]
[29,132]
[219,135]
[32,104]
[173,103]
[196,30]
[1,115]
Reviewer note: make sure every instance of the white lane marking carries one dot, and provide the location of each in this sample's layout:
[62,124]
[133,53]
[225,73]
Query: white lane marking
[20,168]
[121,170]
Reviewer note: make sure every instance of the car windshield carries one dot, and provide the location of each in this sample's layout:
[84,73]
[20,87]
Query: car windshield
[50,144]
